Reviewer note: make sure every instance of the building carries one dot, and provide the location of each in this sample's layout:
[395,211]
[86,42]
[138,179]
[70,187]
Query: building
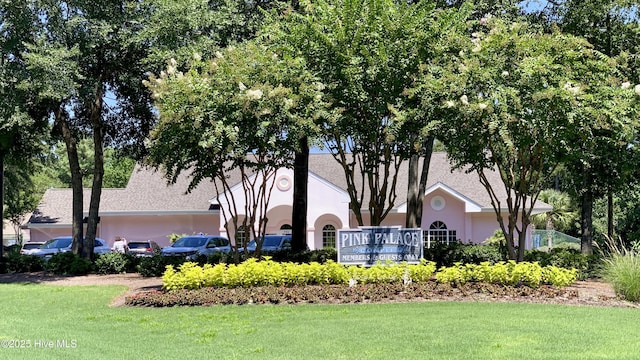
[456,206]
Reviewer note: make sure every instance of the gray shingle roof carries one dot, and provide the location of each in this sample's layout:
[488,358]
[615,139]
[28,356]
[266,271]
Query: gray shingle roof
[468,185]
[148,192]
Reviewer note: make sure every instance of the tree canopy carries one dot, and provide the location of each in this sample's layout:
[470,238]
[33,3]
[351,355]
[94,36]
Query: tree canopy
[243,110]
[527,102]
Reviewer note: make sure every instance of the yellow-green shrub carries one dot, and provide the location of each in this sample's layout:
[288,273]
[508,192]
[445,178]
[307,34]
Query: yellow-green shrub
[423,271]
[456,274]
[267,272]
[507,273]
[559,277]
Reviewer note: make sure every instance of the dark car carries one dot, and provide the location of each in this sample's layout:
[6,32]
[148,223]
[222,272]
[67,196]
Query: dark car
[63,244]
[271,243]
[192,246]
[143,248]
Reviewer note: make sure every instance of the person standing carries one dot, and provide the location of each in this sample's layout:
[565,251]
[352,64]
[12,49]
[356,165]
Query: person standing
[120,245]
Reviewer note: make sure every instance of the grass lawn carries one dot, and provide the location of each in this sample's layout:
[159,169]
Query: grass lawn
[41,315]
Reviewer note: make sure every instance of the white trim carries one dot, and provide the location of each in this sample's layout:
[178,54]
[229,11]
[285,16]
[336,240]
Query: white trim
[215,199]
[470,205]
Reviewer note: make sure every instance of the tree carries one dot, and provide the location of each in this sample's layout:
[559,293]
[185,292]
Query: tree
[21,195]
[21,126]
[117,168]
[525,100]
[367,52]
[603,167]
[82,53]
[245,111]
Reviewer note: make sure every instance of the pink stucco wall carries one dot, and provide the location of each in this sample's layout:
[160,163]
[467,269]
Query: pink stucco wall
[474,227]
[44,234]
[158,227]
[141,227]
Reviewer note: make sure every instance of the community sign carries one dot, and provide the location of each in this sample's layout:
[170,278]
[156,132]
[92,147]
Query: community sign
[368,245]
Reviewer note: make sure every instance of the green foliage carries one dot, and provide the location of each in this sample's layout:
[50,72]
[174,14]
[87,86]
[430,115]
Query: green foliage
[18,263]
[528,100]
[268,272]
[622,270]
[447,255]
[320,256]
[588,266]
[156,265]
[253,273]
[68,263]
[369,54]
[507,273]
[563,217]
[174,237]
[114,263]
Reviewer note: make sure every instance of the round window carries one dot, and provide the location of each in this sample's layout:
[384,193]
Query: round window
[438,203]
[283,183]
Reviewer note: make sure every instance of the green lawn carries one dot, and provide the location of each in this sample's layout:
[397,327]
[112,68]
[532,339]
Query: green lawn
[39,314]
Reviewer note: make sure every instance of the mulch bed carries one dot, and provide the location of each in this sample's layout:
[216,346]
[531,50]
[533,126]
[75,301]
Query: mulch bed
[372,293]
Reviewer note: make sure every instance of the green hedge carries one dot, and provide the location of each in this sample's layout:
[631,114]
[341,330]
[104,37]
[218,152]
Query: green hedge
[271,273]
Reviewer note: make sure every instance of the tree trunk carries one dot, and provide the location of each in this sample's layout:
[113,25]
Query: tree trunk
[610,227]
[98,174]
[300,189]
[412,193]
[76,180]
[586,221]
[416,187]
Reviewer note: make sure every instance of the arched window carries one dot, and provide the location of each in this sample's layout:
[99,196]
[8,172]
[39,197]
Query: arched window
[241,236]
[285,229]
[438,234]
[329,236]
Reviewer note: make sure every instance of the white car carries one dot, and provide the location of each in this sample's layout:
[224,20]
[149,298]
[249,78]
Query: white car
[63,244]
[29,247]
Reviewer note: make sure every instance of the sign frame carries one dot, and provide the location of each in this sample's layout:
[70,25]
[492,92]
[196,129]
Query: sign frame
[368,245]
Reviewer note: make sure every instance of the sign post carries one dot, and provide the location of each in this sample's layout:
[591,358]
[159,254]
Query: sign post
[368,245]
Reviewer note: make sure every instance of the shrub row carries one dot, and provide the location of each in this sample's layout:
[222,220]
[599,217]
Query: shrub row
[588,266]
[115,263]
[507,273]
[270,273]
[457,252]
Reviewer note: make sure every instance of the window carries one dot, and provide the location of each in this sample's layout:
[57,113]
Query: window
[438,234]
[241,236]
[285,229]
[329,236]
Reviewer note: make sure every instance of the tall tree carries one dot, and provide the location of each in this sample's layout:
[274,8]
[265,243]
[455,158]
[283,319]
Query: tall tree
[88,72]
[602,168]
[367,52]
[244,112]
[526,99]
[21,124]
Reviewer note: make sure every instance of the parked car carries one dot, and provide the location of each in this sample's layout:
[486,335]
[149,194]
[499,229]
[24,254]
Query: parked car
[63,244]
[143,248]
[29,247]
[270,243]
[192,246]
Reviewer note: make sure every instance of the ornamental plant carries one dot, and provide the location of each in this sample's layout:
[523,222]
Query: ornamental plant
[270,273]
[507,273]
[254,273]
